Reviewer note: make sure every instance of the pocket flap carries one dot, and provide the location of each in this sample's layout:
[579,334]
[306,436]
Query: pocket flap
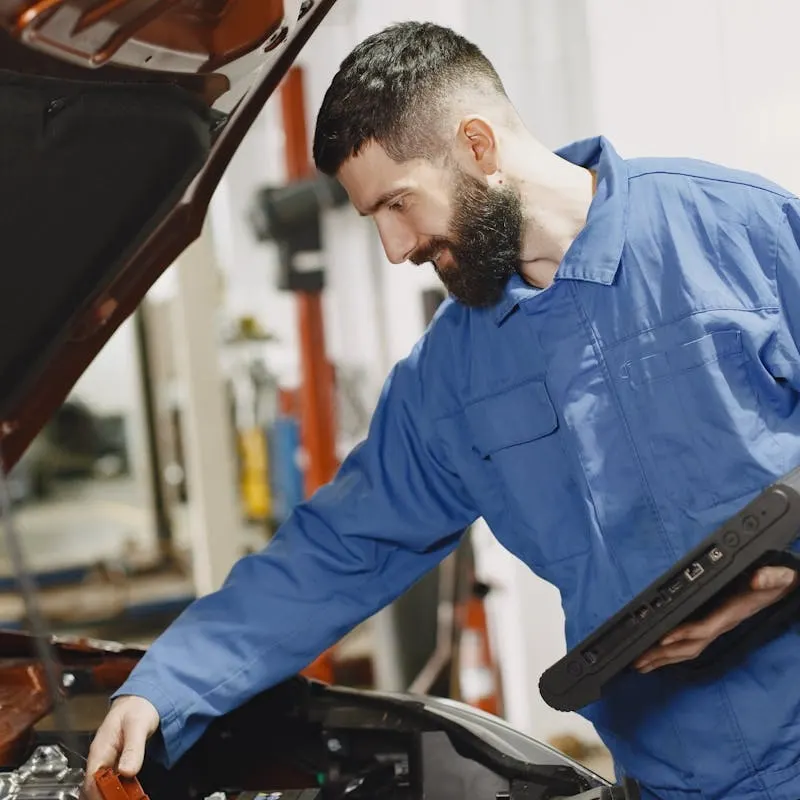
[712,347]
[516,416]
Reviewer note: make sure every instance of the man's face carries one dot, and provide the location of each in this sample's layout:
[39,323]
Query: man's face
[471,233]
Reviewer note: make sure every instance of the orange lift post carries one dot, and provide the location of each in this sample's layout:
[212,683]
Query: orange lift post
[317,423]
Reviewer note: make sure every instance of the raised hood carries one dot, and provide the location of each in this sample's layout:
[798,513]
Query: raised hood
[117,121]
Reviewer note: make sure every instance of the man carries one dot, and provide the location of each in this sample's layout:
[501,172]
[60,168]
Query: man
[616,374]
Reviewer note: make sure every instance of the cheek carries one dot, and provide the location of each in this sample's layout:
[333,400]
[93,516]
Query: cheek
[430,220]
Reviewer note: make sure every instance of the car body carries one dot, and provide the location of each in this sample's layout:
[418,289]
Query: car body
[117,120]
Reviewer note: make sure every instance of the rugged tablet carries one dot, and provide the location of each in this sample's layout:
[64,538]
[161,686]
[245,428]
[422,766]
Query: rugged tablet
[758,535]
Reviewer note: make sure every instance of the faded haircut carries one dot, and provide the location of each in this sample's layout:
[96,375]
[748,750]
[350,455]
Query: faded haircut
[394,88]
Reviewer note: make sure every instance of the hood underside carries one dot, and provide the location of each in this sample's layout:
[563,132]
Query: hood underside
[117,121]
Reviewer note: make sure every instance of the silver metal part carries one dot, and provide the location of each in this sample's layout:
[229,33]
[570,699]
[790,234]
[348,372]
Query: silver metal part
[46,775]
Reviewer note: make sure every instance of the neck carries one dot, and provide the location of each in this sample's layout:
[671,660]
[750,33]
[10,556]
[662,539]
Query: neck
[556,196]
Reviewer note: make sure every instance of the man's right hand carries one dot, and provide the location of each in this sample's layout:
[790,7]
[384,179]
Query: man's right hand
[120,741]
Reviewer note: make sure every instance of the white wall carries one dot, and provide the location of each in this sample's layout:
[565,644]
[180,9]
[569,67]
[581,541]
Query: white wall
[110,385]
[714,80]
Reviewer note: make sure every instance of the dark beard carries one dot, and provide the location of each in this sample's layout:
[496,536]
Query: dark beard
[485,241]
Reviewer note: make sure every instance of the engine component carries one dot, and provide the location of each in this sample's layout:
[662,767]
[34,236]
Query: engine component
[112,786]
[46,775]
[290,794]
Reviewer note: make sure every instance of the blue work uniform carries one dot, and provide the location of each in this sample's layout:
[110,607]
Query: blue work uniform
[602,427]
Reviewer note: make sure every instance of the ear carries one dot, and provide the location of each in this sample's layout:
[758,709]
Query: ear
[477,145]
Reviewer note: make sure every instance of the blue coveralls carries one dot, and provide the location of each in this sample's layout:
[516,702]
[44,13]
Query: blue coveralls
[602,427]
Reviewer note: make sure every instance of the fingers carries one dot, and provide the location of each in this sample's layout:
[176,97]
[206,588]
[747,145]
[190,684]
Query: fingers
[89,790]
[121,740]
[662,656]
[103,752]
[720,621]
[682,644]
[774,578]
[135,737]
[105,748]
[769,585]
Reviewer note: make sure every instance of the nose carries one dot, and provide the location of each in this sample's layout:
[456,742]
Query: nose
[398,240]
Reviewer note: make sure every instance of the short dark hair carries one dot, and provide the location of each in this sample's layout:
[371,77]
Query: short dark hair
[391,89]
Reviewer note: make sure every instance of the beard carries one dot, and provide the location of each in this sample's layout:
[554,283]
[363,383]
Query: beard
[484,239]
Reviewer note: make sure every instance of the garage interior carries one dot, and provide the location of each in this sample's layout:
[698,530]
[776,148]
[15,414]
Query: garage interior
[253,364]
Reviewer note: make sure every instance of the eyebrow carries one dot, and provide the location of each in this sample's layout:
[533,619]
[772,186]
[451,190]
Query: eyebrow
[383,200]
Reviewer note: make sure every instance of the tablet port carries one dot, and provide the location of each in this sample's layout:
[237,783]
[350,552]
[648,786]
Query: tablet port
[642,612]
[715,554]
[590,656]
[694,571]
[675,586]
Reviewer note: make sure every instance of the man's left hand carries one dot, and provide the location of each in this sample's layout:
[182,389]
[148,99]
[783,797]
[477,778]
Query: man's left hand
[767,586]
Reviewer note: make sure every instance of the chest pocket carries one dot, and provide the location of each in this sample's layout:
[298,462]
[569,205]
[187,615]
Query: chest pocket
[701,417]
[517,436]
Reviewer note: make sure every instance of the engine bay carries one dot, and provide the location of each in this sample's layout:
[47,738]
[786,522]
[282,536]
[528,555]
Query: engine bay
[301,739]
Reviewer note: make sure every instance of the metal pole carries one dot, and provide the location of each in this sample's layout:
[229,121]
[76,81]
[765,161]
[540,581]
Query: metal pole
[160,506]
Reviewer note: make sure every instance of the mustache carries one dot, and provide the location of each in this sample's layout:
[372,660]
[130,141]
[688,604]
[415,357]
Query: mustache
[426,253]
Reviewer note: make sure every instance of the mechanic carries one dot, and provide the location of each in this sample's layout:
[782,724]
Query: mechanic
[615,374]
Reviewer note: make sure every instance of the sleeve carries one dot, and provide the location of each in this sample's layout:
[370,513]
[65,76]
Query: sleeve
[785,356]
[393,511]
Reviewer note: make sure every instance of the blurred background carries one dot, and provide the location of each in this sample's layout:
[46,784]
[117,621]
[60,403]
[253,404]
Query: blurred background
[256,361]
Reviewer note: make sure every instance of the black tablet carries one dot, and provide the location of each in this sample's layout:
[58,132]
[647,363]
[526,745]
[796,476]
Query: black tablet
[758,535]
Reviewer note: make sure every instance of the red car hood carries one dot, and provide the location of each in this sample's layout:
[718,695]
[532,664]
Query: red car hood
[117,121]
